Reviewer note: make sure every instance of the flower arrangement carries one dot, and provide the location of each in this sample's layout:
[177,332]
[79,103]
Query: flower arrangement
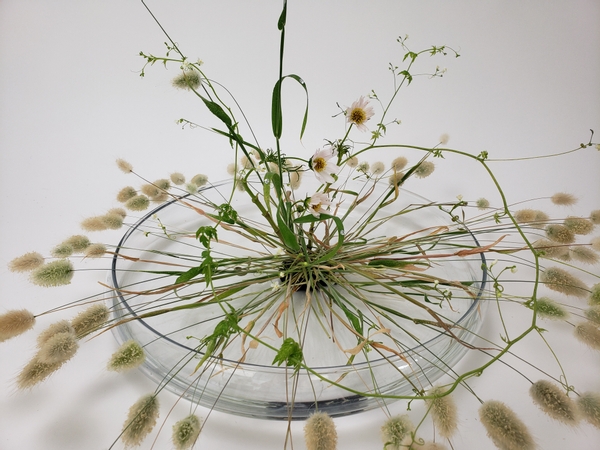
[301,253]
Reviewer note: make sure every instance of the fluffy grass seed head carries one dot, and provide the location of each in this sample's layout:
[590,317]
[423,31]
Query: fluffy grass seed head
[504,428]
[186,432]
[595,243]
[189,79]
[140,420]
[150,190]
[534,217]
[62,250]
[588,333]
[126,193]
[129,356]
[63,326]
[482,203]
[95,223]
[58,348]
[163,184]
[112,221]
[399,163]
[199,180]
[78,242]
[295,179]
[177,178]
[560,234]
[377,168]
[560,280]
[35,372]
[124,166]
[137,203]
[563,199]
[95,251]
[593,314]
[443,412]
[395,430]
[320,432]
[26,262]
[90,319]
[353,162]
[117,211]
[550,250]
[595,217]
[54,273]
[425,169]
[594,298]
[549,309]
[579,225]
[15,322]
[432,446]
[589,406]
[395,179]
[551,399]
[584,255]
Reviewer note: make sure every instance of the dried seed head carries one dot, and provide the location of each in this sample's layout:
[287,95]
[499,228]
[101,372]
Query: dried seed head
[320,433]
[15,322]
[95,251]
[589,334]
[377,168]
[163,184]
[137,203]
[560,233]
[199,180]
[353,162]
[560,280]
[395,430]
[231,169]
[295,179]
[584,255]
[26,262]
[55,273]
[504,428]
[78,242]
[112,221]
[399,163]
[482,203]
[191,188]
[395,179]
[124,165]
[126,193]
[595,243]
[63,326]
[444,138]
[589,406]
[186,432]
[532,216]
[89,320]
[425,169]
[58,348]
[140,420]
[117,211]
[593,314]
[549,309]
[177,178]
[595,217]
[549,249]
[129,356]
[579,225]
[594,298]
[95,223]
[363,167]
[432,446]
[150,190]
[188,79]
[62,251]
[553,401]
[563,199]
[443,412]
[35,372]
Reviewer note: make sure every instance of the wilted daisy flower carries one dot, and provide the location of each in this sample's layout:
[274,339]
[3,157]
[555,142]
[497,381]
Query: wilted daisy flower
[317,203]
[126,193]
[55,273]
[377,168]
[15,322]
[35,372]
[177,178]
[124,165]
[186,432]
[199,180]
[395,430]
[443,412]
[321,165]
[562,281]
[595,217]
[26,262]
[549,309]
[95,251]
[584,255]
[563,199]
[320,433]
[553,401]
[58,348]
[359,113]
[579,225]
[504,428]
[589,406]
[137,203]
[189,79]
[140,420]
[63,326]
[90,319]
[482,203]
[425,169]
[129,356]
[560,233]
[295,179]
[589,334]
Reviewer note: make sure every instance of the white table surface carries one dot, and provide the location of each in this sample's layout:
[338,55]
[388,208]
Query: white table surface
[71,102]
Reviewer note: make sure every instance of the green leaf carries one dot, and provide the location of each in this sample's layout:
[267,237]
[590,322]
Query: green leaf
[186,276]
[227,214]
[290,353]
[205,234]
[218,111]
[407,75]
[289,238]
[282,17]
[340,230]
[393,263]
[276,108]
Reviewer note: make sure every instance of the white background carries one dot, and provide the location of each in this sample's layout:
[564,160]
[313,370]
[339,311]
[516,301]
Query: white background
[71,102]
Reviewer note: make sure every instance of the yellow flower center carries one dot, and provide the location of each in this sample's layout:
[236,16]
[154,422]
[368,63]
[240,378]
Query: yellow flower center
[317,207]
[319,164]
[358,116]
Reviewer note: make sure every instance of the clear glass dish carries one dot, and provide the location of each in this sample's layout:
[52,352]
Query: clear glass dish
[244,381]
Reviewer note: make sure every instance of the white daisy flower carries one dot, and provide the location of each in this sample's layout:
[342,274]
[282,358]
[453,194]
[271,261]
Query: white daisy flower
[359,112]
[322,167]
[317,203]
